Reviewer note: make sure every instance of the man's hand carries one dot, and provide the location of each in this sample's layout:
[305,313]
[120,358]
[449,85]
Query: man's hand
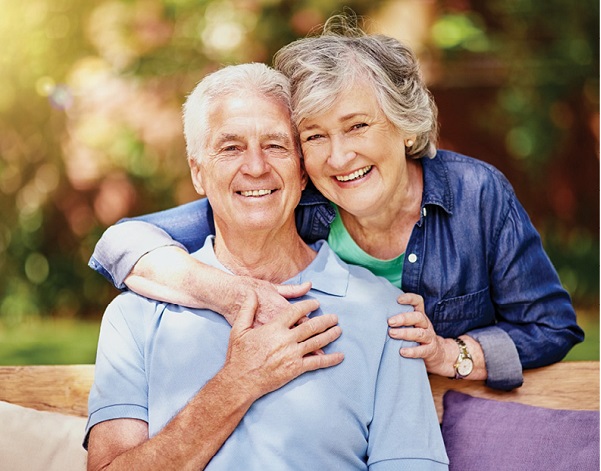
[267,357]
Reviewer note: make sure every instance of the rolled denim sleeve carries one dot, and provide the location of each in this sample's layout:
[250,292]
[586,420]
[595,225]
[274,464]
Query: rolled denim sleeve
[503,363]
[533,308]
[122,245]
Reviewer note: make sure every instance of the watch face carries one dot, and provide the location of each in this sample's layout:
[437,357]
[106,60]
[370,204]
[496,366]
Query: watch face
[465,367]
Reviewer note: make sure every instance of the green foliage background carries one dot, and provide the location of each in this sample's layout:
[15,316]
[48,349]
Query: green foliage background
[90,98]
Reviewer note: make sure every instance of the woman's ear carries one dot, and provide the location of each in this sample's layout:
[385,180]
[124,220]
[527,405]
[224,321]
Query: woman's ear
[195,173]
[410,140]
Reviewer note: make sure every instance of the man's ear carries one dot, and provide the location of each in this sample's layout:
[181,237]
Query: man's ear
[195,173]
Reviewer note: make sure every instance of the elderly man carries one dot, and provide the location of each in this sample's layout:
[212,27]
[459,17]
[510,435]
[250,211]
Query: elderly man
[171,393]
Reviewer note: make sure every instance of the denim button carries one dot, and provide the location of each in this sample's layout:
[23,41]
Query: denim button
[412,258]
[424,212]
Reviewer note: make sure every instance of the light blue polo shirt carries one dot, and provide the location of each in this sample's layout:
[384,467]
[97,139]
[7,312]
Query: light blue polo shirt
[373,411]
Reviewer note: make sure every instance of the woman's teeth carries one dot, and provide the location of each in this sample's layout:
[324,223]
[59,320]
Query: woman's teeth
[353,176]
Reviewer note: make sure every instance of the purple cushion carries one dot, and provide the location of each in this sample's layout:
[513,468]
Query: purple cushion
[483,434]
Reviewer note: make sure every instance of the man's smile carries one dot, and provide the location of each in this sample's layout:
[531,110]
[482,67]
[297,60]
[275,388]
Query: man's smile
[255,193]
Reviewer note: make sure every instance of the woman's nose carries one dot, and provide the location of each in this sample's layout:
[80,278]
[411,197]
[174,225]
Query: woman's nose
[340,153]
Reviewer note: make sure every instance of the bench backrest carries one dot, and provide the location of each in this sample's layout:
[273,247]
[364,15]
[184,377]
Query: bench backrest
[58,388]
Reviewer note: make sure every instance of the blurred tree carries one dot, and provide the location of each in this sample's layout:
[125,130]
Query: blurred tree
[525,76]
[91,92]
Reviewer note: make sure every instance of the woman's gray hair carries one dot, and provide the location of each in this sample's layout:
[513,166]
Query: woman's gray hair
[320,68]
[236,80]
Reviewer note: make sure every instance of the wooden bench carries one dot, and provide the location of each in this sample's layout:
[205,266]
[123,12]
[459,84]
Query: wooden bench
[64,389]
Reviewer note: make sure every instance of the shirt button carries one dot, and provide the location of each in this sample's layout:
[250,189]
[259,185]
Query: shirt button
[424,212]
[412,258]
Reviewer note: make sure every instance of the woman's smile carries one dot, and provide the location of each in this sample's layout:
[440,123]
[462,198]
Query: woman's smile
[356,175]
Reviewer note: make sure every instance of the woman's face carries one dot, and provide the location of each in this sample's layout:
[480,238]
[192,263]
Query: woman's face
[354,155]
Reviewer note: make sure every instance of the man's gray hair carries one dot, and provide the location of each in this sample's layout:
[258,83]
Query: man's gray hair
[320,68]
[231,80]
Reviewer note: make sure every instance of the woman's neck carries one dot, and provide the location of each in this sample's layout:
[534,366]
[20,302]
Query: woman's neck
[385,234]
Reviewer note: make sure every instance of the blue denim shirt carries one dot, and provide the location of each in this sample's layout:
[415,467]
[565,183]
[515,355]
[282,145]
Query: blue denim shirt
[474,256]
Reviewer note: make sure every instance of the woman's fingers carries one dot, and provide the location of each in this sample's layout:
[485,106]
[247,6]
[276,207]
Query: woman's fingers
[421,351]
[412,299]
[293,291]
[415,318]
[412,335]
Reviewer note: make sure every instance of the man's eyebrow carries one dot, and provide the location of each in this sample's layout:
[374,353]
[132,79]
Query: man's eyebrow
[278,136]
[227,137]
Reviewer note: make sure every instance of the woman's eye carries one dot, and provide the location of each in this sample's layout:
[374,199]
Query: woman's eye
[314,137]
[358,126]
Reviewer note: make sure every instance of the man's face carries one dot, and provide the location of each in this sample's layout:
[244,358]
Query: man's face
[250,170]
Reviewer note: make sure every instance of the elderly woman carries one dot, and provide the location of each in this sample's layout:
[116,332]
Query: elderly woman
[444,226]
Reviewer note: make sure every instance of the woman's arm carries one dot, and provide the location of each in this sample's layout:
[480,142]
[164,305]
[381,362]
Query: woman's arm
[171,275]
[142,255]
[531,305]
[535,321]
[122,245]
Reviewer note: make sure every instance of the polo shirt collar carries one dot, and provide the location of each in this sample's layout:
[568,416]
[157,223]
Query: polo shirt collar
[327,273]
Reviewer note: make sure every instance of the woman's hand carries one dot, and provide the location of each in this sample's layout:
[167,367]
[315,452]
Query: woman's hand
[415,326]
[272,298]
[439,354]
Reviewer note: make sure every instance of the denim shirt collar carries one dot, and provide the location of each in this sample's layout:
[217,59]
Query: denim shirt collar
[437,187]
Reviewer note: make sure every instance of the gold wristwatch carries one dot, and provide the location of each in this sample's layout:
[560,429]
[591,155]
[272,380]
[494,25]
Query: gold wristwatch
[464,364]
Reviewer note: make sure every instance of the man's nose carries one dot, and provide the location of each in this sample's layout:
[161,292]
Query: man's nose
[255,163]
[340,152]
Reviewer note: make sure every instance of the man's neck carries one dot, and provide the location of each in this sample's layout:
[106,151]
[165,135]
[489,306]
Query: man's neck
[274,257]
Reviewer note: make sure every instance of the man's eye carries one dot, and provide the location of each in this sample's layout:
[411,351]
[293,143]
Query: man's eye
[230,149]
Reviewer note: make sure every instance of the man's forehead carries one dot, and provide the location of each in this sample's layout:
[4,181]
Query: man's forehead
[239,115]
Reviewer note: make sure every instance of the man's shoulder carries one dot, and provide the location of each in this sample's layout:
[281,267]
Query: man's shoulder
[132,307]
[362,284]
[376,287]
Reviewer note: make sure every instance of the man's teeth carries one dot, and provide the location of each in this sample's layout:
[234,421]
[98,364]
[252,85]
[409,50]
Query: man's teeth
[353,176]
[256,192]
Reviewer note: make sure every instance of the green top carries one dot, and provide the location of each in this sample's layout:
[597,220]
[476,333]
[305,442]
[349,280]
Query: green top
[347,249]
